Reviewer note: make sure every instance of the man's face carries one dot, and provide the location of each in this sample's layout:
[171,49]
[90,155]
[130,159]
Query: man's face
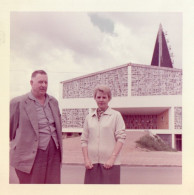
[102,100]
[39,85]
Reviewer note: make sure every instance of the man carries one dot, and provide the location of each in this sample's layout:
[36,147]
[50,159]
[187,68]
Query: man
[35,134]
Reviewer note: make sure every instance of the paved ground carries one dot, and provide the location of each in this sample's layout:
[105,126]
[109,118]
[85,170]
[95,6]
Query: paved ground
[74,174]
[130,155]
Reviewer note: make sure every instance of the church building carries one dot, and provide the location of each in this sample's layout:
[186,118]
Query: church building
[149,97]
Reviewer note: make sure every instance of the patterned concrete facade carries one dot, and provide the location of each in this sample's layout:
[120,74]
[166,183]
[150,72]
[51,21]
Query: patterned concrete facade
[155,81]
[74,117]
[116,79]
[132,85]
[178,117]
[145,81]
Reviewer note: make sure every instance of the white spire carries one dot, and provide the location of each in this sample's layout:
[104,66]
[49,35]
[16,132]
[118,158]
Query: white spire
[160,44]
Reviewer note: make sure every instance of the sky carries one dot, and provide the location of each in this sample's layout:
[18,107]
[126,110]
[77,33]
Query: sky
[71,44]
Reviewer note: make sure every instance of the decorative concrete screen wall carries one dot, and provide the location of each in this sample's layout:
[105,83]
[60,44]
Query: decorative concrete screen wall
[74,117]
[178,117]
[141,80]
[116,79]
[140,121]
[149,80]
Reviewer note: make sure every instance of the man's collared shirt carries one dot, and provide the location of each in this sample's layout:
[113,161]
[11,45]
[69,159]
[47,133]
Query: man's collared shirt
[46,123]
[100,136]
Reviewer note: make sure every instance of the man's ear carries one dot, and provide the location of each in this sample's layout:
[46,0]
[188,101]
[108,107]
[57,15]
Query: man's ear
[31,82]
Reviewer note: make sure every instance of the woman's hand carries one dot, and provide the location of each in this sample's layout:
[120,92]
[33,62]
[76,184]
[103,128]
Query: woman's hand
[88,164]
[110,162]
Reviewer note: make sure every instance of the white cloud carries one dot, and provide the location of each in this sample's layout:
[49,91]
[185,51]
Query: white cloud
[68,44]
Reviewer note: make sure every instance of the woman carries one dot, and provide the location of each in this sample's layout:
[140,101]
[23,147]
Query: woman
[102,139]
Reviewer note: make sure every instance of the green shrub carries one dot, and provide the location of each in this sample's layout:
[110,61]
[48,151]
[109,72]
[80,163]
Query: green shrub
[153,143]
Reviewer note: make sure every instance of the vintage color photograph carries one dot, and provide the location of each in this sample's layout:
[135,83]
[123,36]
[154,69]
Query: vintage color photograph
[131,59]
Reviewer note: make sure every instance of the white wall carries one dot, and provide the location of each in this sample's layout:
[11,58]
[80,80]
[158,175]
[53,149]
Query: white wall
[134,101]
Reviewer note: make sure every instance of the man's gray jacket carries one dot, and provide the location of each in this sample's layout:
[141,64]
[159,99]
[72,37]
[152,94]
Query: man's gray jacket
[24,134]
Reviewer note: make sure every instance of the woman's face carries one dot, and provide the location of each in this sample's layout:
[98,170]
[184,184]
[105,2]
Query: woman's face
[102,100]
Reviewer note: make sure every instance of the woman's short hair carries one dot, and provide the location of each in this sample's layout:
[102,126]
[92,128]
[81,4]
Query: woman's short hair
[104,89]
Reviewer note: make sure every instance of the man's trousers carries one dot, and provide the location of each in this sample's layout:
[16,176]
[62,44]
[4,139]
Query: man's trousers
[46,168]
